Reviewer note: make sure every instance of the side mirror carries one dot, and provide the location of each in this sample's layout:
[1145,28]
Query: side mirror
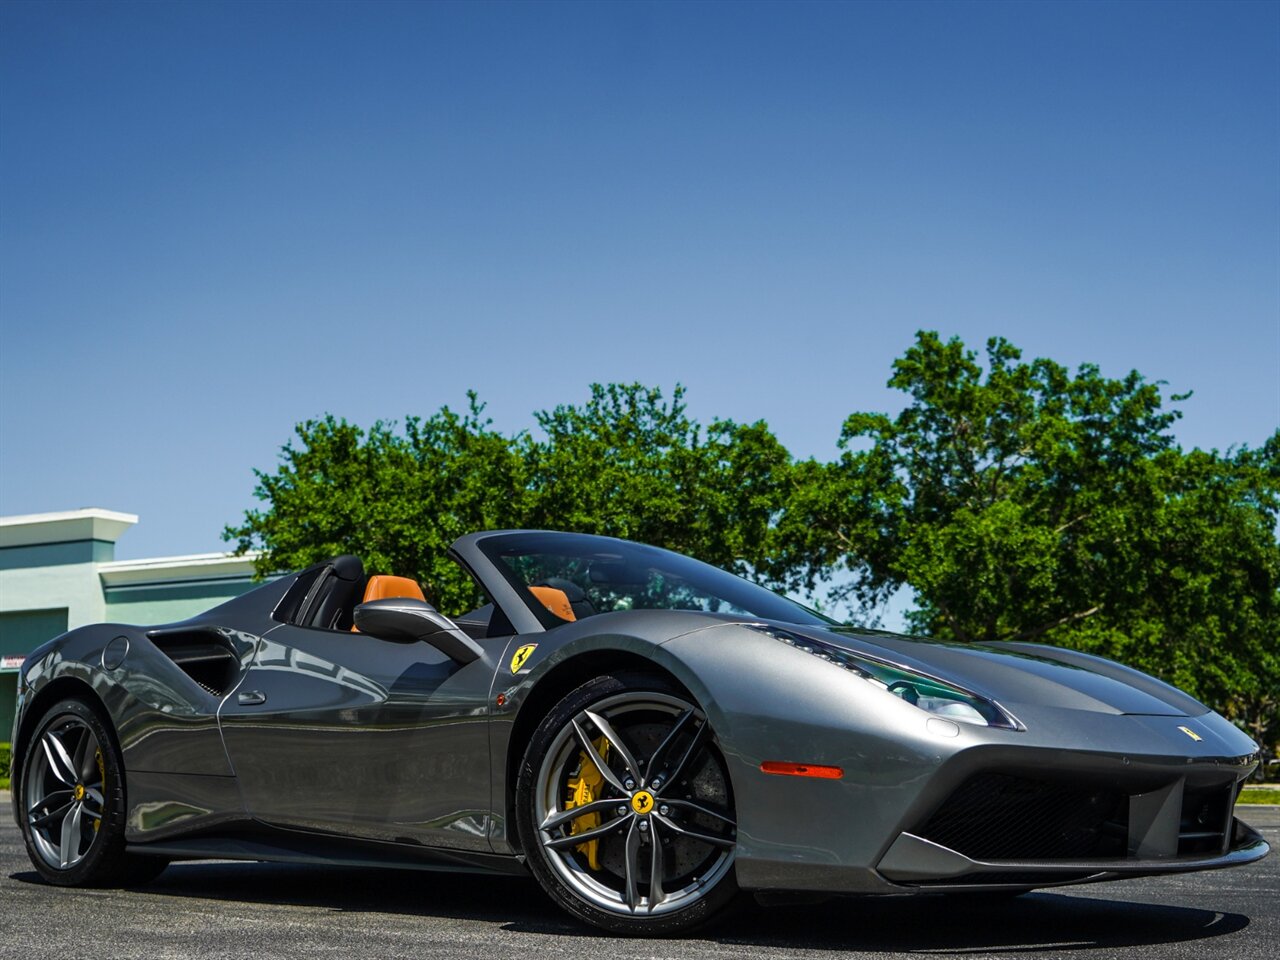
[412,620]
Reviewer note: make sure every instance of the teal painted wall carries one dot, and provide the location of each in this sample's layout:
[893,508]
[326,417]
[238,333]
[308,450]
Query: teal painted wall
[56,554]
[21,633]
[25,630]
[170,602]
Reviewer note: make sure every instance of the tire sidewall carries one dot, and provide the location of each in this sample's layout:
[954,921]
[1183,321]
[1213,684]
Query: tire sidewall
[107,849]
[703,911]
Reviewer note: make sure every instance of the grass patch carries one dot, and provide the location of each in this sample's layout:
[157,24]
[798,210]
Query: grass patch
[1259,796]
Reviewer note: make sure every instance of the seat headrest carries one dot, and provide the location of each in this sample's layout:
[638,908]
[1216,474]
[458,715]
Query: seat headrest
[383,587]
[555,600]
[347,567]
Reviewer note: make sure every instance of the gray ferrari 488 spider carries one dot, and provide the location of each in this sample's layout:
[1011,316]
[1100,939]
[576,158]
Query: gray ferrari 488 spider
[649,736]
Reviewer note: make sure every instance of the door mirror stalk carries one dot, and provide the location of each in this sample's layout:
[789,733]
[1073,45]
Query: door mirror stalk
[408,621]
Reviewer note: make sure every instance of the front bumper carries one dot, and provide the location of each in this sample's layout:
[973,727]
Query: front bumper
[1155,818]
[879,829]
[918,864]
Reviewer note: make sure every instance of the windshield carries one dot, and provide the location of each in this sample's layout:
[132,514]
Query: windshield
[571,576]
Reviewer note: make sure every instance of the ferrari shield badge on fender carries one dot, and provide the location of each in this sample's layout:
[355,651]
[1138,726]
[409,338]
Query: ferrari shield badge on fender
[1187,730]
[521,656]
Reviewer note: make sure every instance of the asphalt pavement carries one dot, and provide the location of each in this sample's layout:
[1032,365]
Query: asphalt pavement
[207,910]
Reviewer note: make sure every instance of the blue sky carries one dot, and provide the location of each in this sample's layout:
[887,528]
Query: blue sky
[217,220]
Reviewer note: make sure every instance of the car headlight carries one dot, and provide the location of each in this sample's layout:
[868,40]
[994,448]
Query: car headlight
[930,694]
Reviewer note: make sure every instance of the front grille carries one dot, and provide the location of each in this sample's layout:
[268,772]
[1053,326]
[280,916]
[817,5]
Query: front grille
[995,816]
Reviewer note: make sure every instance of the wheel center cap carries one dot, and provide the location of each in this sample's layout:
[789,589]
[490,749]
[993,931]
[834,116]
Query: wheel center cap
[79,791]
[642,801]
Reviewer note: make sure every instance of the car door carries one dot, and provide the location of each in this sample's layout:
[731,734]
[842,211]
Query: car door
[343,733]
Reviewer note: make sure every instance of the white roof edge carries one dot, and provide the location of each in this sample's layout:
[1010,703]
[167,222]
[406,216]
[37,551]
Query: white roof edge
[196,566]
[66,526]
[184,560]
[84,513]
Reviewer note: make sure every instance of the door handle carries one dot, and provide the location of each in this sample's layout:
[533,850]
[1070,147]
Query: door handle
[251,698]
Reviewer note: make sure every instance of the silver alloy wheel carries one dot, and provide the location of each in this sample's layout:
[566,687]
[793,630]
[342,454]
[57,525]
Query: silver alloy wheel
[665,811]
[64,792]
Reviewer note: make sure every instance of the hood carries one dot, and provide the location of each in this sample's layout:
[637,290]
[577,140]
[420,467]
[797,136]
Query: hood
[1021,673]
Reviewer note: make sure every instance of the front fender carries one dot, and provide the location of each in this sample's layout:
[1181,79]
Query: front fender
[557,650]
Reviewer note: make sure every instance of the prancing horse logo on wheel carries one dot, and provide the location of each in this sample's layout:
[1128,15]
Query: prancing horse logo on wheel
[642,802]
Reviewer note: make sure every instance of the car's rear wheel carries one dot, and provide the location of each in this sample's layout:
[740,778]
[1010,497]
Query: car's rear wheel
[72,789]
[625,808]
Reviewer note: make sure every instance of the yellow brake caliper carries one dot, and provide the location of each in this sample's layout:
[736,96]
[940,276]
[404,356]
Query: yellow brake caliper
[102,778]
[583,789]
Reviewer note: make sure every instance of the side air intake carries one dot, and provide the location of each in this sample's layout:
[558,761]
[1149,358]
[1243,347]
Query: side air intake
[202,653]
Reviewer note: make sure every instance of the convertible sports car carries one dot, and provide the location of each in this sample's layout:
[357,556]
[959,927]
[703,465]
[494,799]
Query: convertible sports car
[648,735]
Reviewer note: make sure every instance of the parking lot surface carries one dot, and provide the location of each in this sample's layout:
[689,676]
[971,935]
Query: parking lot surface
[208,910]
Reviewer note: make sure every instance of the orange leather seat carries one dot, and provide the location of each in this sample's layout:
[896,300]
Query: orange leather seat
[383,587]
[555,600]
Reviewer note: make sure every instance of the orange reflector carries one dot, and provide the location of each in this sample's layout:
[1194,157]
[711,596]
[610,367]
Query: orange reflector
[801,770]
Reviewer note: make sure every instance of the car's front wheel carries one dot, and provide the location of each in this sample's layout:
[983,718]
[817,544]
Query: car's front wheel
[625,808]
[72,789]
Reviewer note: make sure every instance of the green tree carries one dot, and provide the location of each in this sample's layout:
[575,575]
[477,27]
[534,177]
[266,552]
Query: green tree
[629,464]
[397,498]
[1022,501]
[626,463]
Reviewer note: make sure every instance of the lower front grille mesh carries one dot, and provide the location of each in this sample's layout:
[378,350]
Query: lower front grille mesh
[1000,817]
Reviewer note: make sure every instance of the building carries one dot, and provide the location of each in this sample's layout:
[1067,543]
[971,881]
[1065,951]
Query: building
[58,571]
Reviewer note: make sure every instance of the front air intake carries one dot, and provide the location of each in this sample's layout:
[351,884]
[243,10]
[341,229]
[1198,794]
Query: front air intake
[1206,820]
[994,816]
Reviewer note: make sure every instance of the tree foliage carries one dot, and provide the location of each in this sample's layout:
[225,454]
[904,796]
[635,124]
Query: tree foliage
[627,463]
[1014,499]
[1026,502]
[395,497]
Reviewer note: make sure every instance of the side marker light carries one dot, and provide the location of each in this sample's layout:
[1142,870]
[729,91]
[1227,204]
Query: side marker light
[782,769]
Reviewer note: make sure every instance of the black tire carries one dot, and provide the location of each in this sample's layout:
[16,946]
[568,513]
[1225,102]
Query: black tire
[104,861]
[712,900]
